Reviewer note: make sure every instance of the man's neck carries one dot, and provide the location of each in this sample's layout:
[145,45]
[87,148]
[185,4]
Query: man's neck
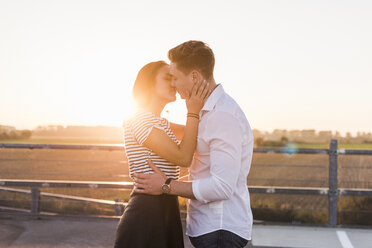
[212,85]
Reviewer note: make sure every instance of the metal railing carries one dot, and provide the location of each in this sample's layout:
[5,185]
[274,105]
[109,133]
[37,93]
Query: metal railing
[333,192]
[36,194]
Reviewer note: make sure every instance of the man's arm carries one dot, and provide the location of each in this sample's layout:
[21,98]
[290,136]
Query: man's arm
[225,158]
[152,184]
[225,137]
[183,189]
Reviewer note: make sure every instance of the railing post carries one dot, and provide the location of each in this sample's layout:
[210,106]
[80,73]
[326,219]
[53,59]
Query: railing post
[119,207]
[35,200]
[333,188]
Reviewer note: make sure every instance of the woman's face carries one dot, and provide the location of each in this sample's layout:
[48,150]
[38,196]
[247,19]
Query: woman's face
[163,87]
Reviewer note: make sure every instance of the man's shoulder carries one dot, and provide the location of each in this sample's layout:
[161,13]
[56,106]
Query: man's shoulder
[227,106]
[228,109]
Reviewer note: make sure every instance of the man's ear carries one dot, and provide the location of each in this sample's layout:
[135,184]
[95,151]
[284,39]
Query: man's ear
[195,75]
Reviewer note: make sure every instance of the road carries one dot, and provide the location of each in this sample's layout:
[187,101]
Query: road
[99,232]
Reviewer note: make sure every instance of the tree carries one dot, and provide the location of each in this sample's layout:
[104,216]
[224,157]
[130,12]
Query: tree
[283,140]
[259,142]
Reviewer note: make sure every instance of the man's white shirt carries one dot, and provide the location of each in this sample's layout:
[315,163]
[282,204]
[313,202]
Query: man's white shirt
[220,168]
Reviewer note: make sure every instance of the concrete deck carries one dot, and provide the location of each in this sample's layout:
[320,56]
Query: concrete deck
[77,232]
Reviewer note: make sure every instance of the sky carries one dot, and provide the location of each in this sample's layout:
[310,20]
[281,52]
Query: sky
[288,64]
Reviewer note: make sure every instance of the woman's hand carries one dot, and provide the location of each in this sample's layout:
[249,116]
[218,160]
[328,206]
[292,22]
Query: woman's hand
[199,93]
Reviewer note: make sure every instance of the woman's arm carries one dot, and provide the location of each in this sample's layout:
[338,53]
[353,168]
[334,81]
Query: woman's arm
[165,147]
[178,130]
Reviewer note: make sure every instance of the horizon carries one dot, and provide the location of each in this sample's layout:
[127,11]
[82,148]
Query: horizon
[288,64]
[334,132]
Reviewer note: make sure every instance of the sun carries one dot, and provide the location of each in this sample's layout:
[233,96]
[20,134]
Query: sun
[105,106]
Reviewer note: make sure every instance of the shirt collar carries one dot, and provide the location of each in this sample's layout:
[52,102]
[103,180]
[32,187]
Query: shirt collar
[213,98]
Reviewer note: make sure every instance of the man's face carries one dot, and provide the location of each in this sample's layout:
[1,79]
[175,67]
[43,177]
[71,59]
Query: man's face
[181,81]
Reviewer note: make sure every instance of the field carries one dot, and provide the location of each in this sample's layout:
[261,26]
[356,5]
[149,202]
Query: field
[72,141]
[267,170]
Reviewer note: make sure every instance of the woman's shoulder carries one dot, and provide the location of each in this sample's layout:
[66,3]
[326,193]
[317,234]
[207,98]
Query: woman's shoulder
[145,118]
[143,115]
[139,115]
[141,118]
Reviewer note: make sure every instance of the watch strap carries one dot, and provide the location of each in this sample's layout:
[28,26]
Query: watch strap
[167,182]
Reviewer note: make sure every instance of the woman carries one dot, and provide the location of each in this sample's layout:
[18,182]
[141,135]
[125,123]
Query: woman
[148,220]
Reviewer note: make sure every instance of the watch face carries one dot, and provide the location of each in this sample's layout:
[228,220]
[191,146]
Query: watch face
[165,188]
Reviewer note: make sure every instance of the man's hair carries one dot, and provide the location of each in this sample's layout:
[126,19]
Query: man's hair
[143,87]
[192,55]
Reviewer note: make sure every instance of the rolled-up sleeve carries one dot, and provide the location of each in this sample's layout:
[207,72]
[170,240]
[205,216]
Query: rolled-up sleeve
[225,143]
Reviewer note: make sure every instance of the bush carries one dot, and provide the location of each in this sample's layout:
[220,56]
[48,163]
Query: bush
[16,134]
[355,210]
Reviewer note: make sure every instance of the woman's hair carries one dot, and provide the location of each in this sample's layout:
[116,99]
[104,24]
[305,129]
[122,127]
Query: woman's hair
[144,85]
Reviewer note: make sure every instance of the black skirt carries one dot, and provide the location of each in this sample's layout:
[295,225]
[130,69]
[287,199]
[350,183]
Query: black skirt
[150,221]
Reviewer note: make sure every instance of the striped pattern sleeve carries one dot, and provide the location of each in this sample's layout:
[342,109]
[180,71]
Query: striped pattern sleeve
[142,126]
[136,131]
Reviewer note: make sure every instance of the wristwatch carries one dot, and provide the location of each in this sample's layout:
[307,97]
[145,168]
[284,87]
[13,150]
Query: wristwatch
[166,186]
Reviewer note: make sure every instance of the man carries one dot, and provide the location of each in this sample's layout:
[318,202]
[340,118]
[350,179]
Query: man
[219,212]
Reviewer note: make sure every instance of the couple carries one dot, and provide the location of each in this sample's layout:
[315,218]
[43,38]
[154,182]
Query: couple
[216,144]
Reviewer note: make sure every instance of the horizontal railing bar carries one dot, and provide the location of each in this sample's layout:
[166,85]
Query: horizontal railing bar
[355,192]
[291,165]
[288,190]
[120,147]
[354,152]
[307,191]
[65,184]
[129,185]
[78,198]
[291,150]
[286,209]
[61,196]
[22,191]
[286,179]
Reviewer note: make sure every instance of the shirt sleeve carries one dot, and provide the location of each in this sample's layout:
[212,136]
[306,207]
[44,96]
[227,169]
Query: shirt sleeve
[142,125]
[225,143]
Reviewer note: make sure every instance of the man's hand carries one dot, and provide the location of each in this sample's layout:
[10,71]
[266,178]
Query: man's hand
[149,183]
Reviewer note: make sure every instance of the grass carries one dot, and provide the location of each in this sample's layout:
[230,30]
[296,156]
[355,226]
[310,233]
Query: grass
[297,170]
[96,142]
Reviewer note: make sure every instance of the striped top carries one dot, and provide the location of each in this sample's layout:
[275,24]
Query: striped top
[136,131]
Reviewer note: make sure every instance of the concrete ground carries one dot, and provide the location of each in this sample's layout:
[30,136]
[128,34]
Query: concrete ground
[79,232]
[317,237]
[61,232]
